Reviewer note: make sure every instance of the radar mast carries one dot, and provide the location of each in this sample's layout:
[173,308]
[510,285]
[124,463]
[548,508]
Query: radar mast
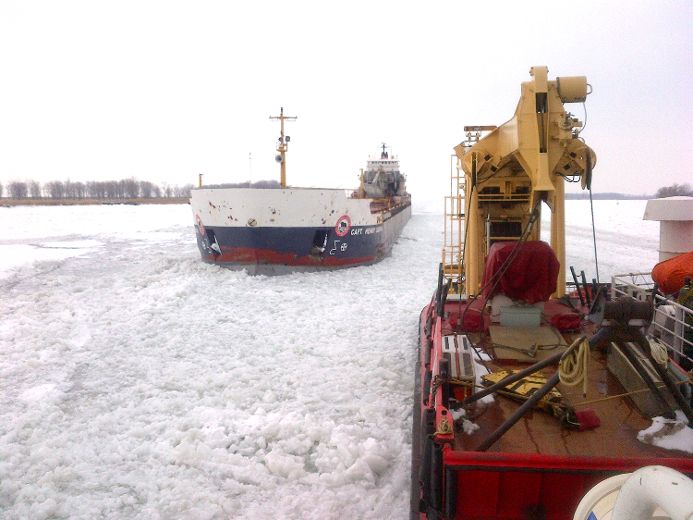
[282,145]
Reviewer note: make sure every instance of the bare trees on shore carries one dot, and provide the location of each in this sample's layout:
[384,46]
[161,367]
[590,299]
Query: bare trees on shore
[107,190]
[674,190]
[17,190]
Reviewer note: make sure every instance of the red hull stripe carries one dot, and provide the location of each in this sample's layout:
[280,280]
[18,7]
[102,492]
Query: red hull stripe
[244,255]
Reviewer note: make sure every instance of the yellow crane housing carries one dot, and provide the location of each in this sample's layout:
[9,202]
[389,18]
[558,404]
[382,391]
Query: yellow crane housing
[508,171]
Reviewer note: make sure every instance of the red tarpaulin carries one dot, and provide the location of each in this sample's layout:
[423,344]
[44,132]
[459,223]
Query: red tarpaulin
[671,273]
[531,276]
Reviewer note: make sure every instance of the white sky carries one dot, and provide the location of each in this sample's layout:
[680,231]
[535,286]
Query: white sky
[164,90]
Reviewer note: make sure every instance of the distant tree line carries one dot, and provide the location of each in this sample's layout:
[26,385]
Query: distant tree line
[605,196]
[255,185]
[674,190]
[122,189]
[667,191]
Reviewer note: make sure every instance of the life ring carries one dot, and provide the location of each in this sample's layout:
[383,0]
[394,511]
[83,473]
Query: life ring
[342,226]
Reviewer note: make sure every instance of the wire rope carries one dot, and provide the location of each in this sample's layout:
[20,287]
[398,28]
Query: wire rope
[594,235]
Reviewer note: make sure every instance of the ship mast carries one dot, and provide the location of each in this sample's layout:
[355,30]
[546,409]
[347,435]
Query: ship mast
[282,145]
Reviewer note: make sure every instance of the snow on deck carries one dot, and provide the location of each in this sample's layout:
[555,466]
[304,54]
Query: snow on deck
[138,382]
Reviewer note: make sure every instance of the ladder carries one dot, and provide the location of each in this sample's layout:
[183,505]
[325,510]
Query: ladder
[453,235]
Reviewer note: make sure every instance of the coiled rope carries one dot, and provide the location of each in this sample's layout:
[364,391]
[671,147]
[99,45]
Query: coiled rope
[659,352]
[572,368]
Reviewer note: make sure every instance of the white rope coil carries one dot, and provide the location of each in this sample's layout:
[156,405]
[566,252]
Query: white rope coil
[572,369]
[659,352]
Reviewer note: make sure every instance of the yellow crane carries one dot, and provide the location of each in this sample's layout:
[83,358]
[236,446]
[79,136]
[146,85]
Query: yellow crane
[508,171]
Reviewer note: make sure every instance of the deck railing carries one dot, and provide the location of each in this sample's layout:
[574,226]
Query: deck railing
[672,323]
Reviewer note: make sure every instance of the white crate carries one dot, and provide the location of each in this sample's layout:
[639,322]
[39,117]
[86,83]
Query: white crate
[461,361]
[520,316]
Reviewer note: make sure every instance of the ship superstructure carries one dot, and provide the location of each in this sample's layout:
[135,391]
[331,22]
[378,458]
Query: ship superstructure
[382,178]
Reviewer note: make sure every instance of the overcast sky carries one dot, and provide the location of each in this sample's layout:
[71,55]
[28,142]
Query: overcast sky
[164,90]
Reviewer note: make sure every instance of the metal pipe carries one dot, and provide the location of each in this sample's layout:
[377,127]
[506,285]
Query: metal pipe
[442,298]
[588,300]
[600,336]
[656,393]
[512,378]
[577,285]
[427,429]
[664,374]
[522,373]
[527,405]
[439,289]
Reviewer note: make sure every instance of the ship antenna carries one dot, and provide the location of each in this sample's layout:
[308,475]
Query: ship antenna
[282,145]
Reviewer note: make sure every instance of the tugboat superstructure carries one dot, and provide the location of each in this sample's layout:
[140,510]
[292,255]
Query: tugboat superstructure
[528,392]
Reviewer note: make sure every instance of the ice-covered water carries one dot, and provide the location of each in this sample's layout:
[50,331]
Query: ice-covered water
[138,382]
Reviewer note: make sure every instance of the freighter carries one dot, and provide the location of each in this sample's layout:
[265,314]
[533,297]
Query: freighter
[270,227]
[535,399]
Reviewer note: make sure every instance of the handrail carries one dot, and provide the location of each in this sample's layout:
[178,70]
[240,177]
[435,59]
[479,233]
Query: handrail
[672,323]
